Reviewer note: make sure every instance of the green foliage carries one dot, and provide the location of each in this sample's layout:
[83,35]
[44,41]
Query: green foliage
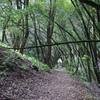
[36,62]
[3,45]
[66,5]
[86,57]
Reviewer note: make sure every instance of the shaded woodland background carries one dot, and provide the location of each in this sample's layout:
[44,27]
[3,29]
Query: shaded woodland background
[51,29]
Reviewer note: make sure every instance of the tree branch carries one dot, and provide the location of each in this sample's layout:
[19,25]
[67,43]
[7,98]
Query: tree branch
[56,44]
[90,3]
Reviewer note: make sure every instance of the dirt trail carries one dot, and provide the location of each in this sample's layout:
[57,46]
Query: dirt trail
[42,86]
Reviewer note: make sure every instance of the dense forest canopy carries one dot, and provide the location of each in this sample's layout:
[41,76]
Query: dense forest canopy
[29,23]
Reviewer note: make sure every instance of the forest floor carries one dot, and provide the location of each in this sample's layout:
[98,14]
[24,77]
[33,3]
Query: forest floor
[34,85]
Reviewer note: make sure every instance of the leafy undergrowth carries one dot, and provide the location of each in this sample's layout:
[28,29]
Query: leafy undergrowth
[11,60]
[35,62]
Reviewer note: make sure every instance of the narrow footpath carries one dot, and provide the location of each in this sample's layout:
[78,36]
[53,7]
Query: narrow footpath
[43,86]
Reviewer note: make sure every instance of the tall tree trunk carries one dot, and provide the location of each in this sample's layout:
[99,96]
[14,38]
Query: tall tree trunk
[26,32]
[4,37]
[50,28]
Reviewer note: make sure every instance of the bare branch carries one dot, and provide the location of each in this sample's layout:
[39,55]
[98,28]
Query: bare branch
[55,44]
